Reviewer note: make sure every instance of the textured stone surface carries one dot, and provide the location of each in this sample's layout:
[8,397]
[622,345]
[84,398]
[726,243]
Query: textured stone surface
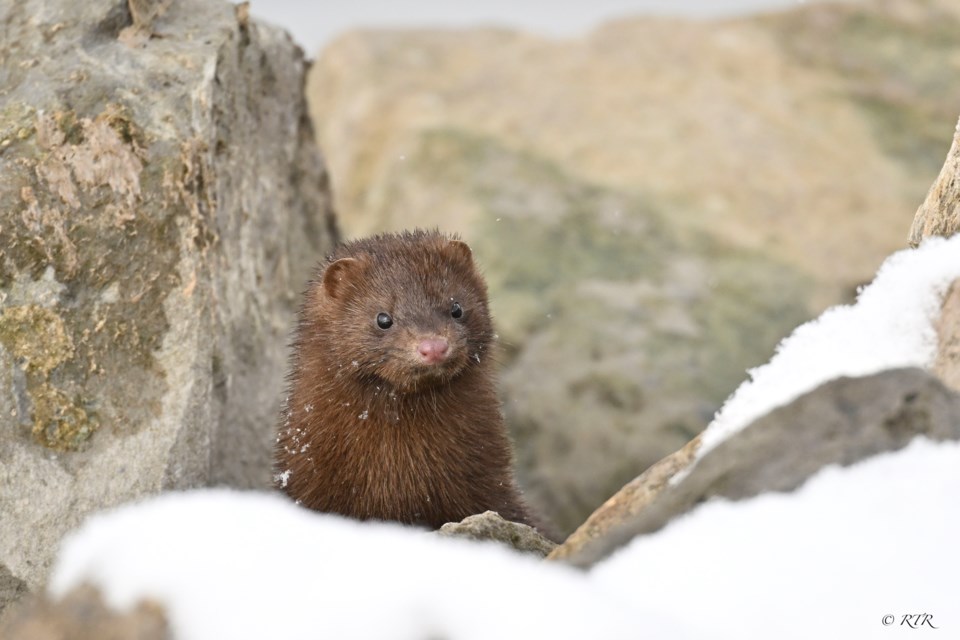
[163,203]
[82,615]
[939,215]
[655,204]
[839,423]
[490,526]
[11,589]
[947,364]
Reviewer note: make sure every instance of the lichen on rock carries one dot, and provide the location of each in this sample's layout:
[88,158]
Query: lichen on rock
[59,422]
[38,341]
[35,336]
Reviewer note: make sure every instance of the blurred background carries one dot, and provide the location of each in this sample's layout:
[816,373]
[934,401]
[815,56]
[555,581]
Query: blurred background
[313,24]
[658,192]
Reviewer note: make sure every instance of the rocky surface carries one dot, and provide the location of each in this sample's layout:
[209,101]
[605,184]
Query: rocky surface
[939,215]
[490,526]
[11,589]
[163,204]
[947,363]
[82,615]
[839,423]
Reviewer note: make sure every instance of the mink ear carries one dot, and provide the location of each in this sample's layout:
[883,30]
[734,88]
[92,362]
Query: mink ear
[338,274]
[460,249]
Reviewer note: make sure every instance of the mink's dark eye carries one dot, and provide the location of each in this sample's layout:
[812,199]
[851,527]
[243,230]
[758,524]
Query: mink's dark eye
[456,310]
[384,321]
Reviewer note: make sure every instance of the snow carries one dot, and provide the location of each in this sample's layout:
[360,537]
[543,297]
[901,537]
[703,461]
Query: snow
[247,565]
[831,560]
[889,326]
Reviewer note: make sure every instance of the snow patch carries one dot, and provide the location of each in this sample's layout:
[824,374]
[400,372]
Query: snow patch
[832,559]
[252,566]
[282,478]
[836,559]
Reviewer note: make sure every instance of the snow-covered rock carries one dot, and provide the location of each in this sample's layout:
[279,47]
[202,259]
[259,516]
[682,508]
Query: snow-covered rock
[893,324]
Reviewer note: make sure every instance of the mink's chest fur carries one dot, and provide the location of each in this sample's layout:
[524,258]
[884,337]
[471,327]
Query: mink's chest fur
[392,411]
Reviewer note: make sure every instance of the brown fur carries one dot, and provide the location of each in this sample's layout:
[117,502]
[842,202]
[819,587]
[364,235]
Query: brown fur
[369,430]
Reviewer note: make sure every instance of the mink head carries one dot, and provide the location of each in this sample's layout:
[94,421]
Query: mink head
[408,309]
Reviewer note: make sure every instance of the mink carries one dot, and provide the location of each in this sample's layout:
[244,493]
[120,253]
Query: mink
[392,411]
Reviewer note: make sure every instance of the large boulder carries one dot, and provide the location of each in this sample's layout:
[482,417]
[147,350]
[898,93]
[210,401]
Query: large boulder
[163,204]
[655,204]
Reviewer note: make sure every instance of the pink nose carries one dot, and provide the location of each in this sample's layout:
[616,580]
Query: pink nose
[433,350]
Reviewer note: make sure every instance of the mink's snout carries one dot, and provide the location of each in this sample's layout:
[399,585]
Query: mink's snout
[433,350]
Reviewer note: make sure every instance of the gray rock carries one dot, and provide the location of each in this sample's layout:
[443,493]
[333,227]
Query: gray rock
[839,423]
[11,589]
[490,526]
[164,202]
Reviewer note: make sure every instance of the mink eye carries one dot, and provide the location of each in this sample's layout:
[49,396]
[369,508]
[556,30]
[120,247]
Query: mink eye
[456,310]
[384,321]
